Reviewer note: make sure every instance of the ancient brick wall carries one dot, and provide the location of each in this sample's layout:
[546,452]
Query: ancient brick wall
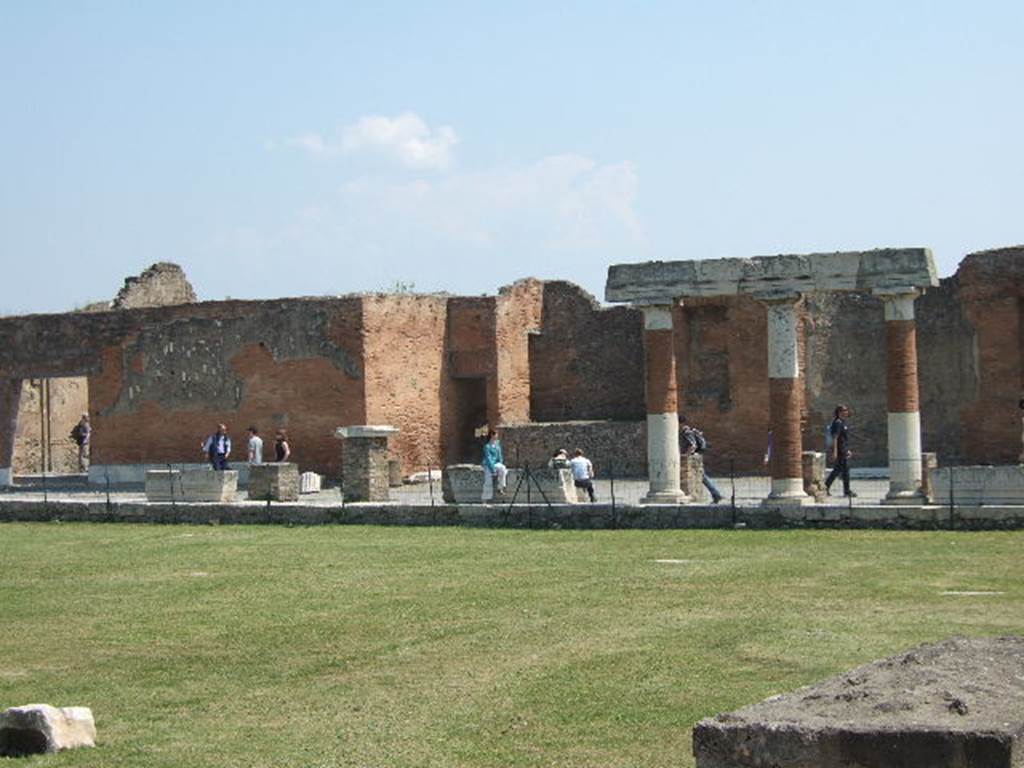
[470,396]
[295,364]
[990,290]
[845,362]
[587,362]
[618,447]
[404,364]
[722,373]
[518,313]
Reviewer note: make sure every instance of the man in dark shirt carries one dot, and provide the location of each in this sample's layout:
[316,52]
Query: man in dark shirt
[841,453]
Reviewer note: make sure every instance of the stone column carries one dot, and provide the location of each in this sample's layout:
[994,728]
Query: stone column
[10,399]
[364,462]
[902,394]
[662,411]
[785,400]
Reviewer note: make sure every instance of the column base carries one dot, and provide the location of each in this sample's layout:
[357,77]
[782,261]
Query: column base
[6,477]
[913,496]
[665,497]
[788,492]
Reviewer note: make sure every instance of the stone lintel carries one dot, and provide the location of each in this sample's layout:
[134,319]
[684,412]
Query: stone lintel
[956,703]
[796,273]
[365,430]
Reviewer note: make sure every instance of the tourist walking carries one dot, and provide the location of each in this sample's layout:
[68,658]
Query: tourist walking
[255,446]
[695,442]
[839,435]
[583,473]
[281,448]
[217,447]
[81,433]
[494,467]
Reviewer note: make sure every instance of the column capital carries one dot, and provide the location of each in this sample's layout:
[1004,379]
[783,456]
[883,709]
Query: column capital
[657,317]
[898,301]
[897,291]
[781,296]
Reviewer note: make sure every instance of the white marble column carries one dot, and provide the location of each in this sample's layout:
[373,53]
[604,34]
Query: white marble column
[904,414]
[662,408]
[785,399]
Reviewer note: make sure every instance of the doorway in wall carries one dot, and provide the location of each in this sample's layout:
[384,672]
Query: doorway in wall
[470,415]
[48,411]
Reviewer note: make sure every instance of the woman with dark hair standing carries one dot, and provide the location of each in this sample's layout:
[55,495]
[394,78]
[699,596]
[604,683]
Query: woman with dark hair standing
[281,448]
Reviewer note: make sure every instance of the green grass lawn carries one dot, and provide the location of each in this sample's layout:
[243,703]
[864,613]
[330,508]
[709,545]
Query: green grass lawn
[351,646]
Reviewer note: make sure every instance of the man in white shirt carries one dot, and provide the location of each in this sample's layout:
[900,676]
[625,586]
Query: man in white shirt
[255,446]
[583,473]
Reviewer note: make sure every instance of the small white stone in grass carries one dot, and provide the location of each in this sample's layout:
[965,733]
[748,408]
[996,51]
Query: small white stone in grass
[199,574]
[970,593]
[675,562]
[40,728]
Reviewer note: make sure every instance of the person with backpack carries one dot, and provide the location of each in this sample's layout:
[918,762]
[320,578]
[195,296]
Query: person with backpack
[694,441]
[80,435]
[838,440]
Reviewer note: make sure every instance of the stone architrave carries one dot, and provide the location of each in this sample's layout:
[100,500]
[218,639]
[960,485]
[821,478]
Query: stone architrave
[36,729]
[904,417]
[785,400]
[364,461]
[662,408]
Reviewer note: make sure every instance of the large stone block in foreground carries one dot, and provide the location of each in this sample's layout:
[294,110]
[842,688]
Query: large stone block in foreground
[276,481]
[39,728]
[191,485]
[955,704]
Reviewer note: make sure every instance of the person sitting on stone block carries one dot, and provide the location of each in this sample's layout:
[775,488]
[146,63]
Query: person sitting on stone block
[494,467]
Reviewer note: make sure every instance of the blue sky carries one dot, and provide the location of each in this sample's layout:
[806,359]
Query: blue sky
[284,149]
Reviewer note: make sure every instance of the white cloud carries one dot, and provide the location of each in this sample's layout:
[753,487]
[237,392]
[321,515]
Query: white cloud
[405,139]
[560,203]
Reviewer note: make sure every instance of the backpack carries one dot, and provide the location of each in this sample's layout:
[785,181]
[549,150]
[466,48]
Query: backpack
[699,441]
[76,433]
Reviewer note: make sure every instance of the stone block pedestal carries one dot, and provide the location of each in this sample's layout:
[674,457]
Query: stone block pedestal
[191,485]
[364,462]
[274,481]
[464,484]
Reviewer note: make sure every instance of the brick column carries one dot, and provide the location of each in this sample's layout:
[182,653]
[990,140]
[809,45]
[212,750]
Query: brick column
[902,395]
[10,399]
[785,399]
[364,462]
[662,411]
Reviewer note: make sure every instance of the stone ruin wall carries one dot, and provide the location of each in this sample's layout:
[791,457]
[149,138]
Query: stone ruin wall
[405,373]
[161,379]
[587,361]
[587,364]
[160,285]
[518,314]
[294,364]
